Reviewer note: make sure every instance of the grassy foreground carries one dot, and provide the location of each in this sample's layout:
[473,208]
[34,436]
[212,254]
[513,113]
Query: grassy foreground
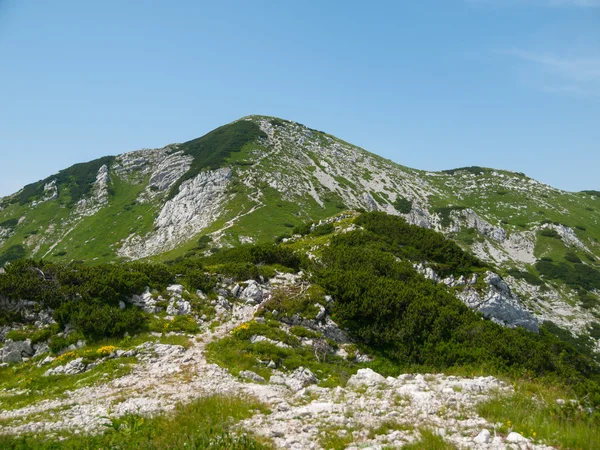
[546,414]
[207,423]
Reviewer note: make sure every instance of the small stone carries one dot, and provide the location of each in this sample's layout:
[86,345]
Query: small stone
[484,437]
[516,437]
[252,376]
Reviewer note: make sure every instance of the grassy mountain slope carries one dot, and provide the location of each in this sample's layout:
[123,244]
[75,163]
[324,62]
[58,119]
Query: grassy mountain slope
[260,177]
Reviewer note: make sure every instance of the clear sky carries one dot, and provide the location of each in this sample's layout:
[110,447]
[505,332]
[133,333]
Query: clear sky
[510,84]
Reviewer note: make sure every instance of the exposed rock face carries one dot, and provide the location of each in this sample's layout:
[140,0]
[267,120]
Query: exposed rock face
[169,170]
[500,304]
[145,301]
[15,351]
[98,197]
[71,368]
[50,193]
[470,219]
[252,293]
[198,203]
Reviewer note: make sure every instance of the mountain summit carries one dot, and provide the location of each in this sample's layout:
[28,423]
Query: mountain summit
[260,177]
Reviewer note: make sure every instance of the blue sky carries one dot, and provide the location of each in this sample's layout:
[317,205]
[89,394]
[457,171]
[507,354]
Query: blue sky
[429,84]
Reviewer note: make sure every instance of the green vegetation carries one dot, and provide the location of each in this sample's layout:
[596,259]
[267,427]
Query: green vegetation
[88,297]
[238,353]
[403,205]
[206,423]
[444,213]
[414,243]
[77,180]
[475,170]
[211,150]
[549,232]
[251,261]
[527,276]
[393,309]
[430,441]
[594,193]
[10,223]
[574,275]
[534,412]
[12,253]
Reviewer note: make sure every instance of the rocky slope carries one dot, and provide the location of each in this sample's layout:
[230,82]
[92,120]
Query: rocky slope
[258,177]
[301,414]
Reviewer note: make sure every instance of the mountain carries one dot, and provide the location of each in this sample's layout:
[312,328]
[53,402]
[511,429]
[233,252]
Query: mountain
[260,177]
[270,286]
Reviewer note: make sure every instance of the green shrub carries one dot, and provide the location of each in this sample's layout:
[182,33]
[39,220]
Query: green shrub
[322,230]
[572,257]
[403,205]
[524,275]
[57,343]
[549,232]
[12,253]
[444,213]
[412,242]
[475,170]
[204,241]
[576,276]
[387,305]
[10,223]
[303,229]
[99,320]
[16,335]
[77,180]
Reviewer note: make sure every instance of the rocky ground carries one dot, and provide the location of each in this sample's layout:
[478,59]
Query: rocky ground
[370,412]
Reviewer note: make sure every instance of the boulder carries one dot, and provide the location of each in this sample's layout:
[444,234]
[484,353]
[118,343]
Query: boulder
[484,437]
[252,293]
[15,351]
[71,368]
[516,437]
[13,356]
[252,376]
[176,289]
[179,308]
[300,378]
[366,377]
[41,349]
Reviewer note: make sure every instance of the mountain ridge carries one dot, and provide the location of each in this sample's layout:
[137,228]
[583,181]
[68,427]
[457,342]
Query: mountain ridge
[259,177]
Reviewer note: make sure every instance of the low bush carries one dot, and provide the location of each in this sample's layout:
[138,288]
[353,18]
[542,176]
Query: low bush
[577,275]
[524,275]
[572,257]
[549,232]
[403,205]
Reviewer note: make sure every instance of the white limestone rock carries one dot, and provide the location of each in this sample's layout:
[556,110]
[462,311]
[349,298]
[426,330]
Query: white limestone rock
[500,304]
[366,377]
[198,203]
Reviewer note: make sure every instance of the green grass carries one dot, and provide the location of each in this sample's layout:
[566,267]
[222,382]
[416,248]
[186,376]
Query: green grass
[33,387]
[237,353]
[332,440]
[429,441]
[206,423]
[534,412]
[27,379]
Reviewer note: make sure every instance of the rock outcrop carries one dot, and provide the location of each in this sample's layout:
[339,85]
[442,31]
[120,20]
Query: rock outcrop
[197,205]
